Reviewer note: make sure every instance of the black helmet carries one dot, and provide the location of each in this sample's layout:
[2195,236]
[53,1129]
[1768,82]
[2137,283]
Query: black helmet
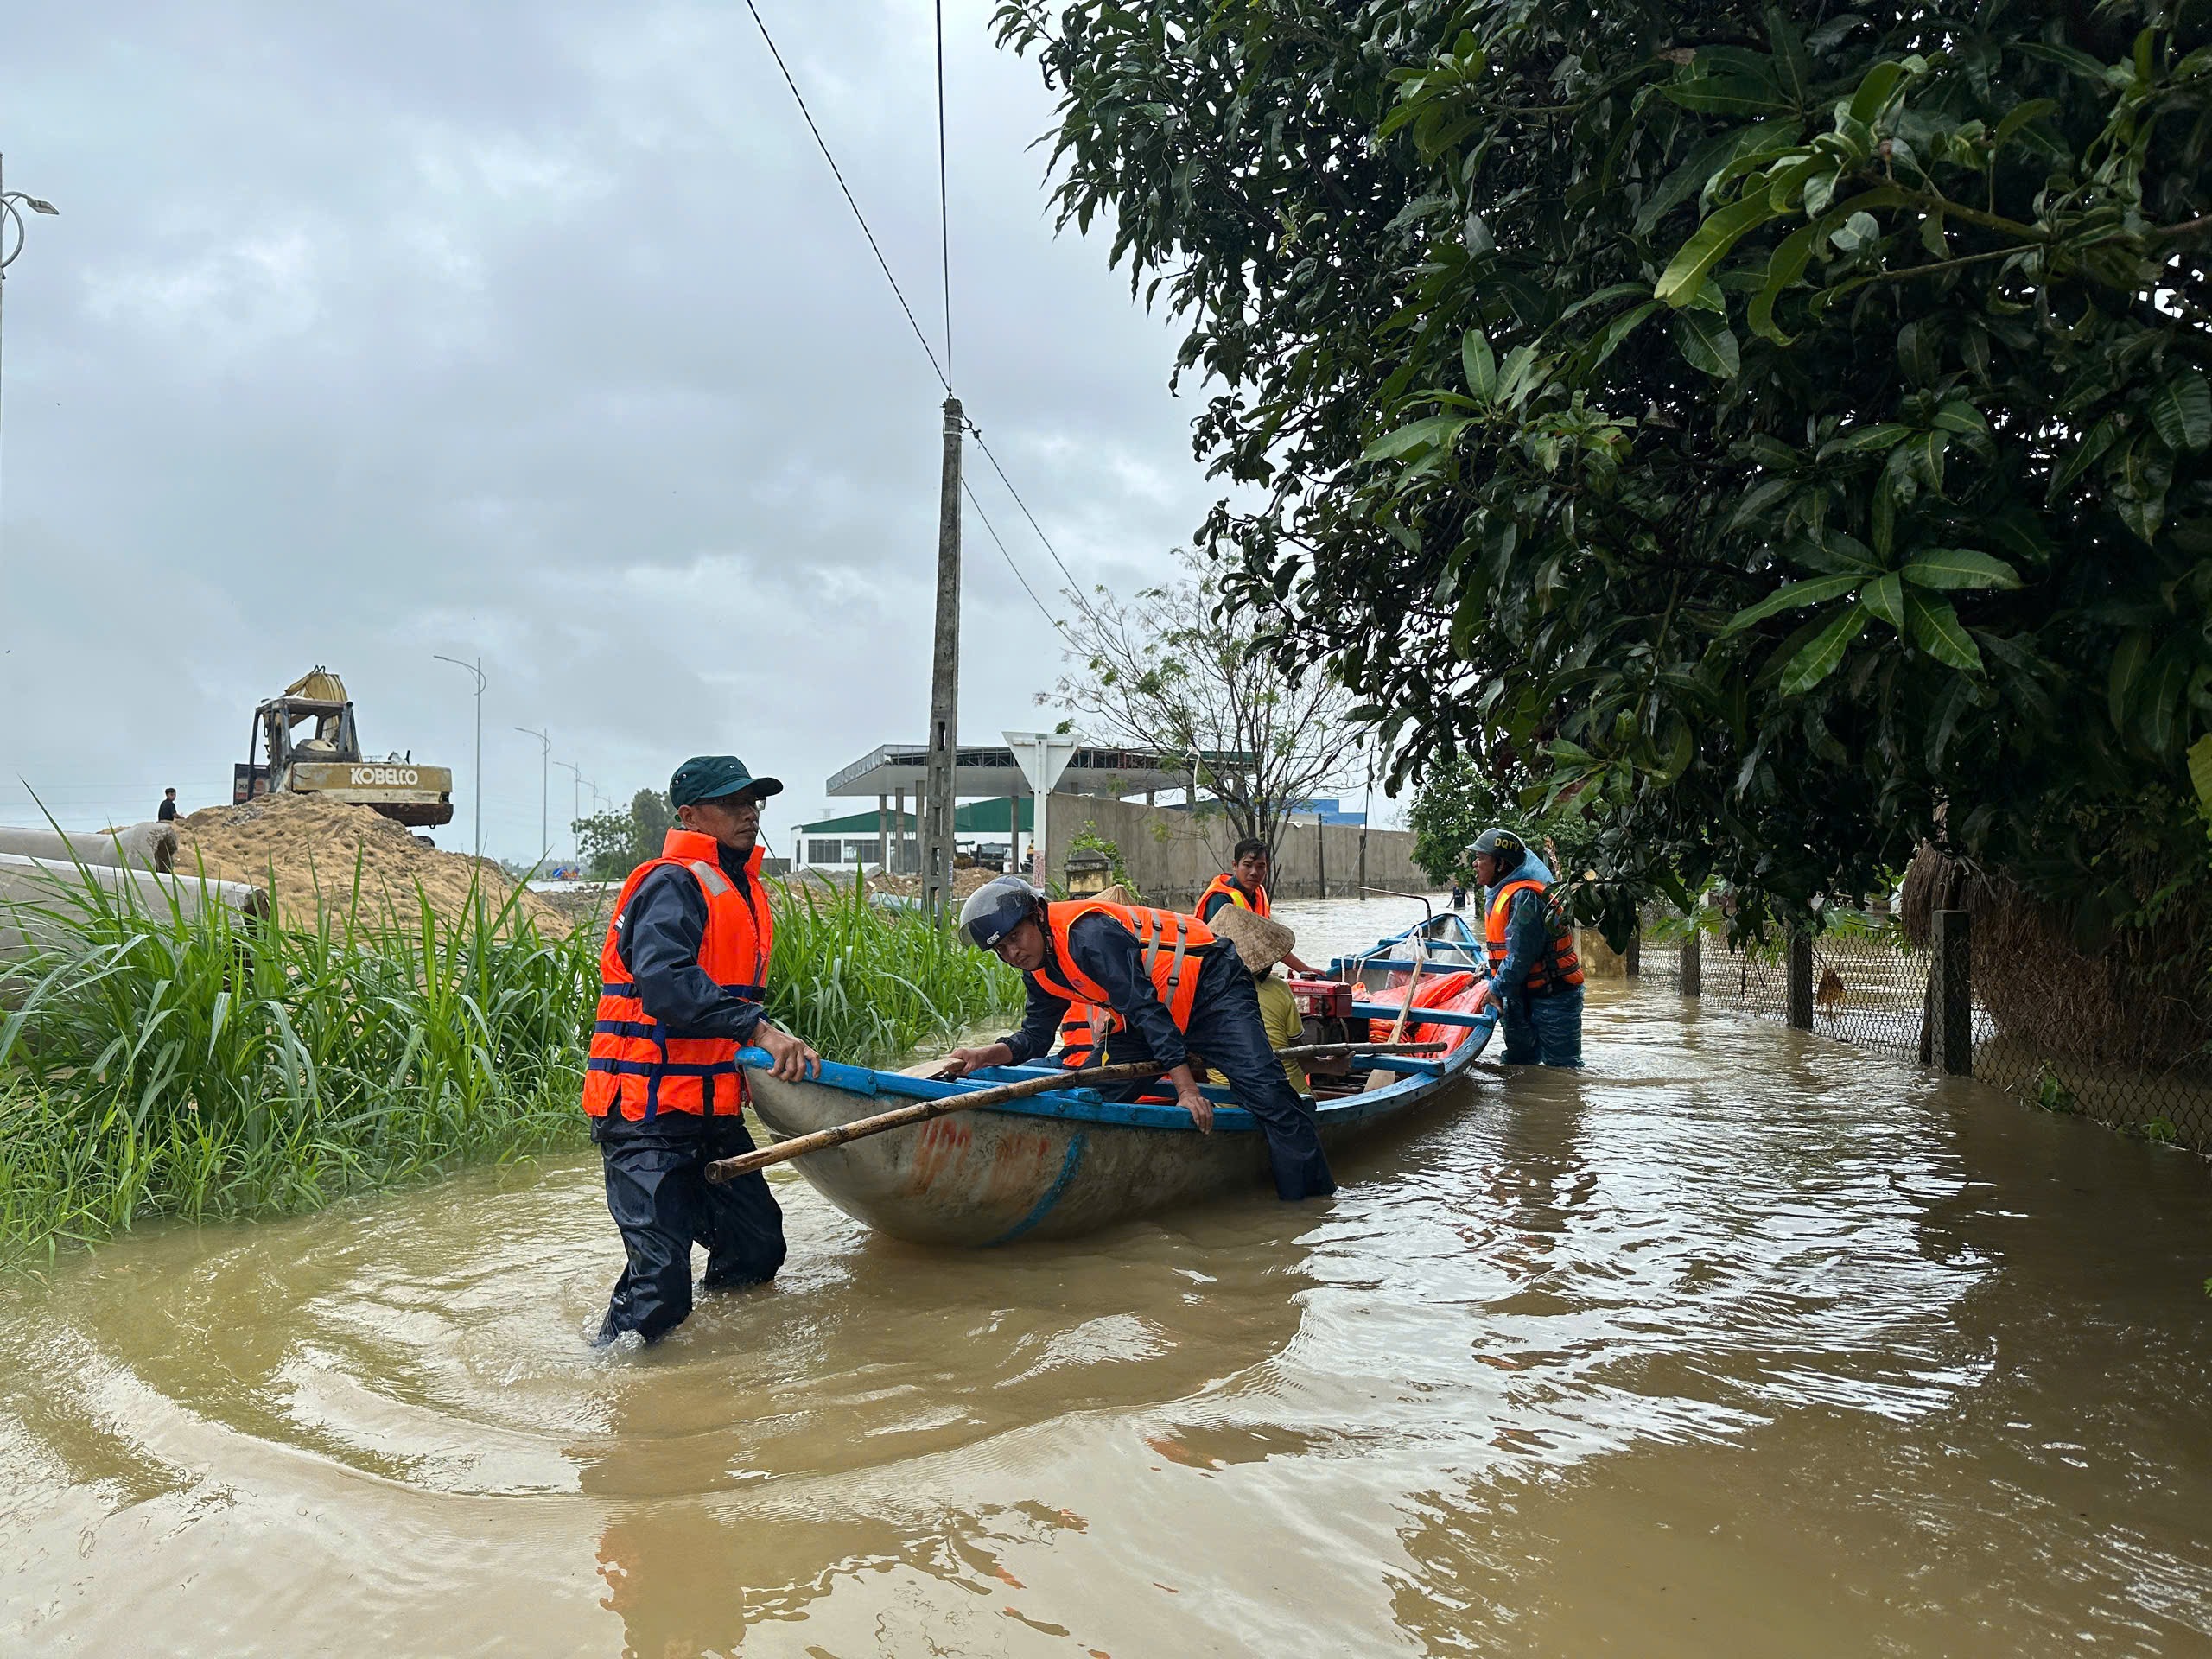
[997,907]
[1508,848]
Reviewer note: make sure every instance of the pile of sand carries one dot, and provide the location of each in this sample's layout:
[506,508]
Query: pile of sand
[305,850]
[964,881]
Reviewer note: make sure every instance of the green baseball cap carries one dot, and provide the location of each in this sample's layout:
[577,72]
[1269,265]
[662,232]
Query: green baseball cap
[710,777]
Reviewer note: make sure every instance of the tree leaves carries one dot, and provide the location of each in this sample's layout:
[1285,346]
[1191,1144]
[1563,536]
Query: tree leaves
[1791,597]
[1479,364]
[1435,429]
[1686,273]
[1885,596]
[1820,658]
[1958,567]
[1709,344]
[1935,630]
[2181,409]
[1618,330]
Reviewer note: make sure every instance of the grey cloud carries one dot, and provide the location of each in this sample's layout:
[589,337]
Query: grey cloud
[540,331]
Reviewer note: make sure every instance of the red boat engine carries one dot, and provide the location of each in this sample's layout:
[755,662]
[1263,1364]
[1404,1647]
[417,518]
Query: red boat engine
[1327,1006]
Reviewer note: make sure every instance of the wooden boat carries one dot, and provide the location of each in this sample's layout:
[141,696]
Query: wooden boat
[1055,1165]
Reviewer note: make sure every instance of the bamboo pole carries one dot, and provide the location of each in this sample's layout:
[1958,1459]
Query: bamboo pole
[728,1169]
[1398,1026]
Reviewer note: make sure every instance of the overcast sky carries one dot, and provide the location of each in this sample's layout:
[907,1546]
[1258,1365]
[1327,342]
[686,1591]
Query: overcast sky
[537,331]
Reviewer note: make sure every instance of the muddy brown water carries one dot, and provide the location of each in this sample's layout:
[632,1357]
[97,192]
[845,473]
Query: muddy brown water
[1740,1343]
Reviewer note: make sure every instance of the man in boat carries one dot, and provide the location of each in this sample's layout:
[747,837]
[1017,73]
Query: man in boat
[1535,977]
[1173,983]
[682,974]
[1261,942]
[1244,884]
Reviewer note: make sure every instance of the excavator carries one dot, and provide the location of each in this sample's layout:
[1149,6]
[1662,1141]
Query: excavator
[326,762]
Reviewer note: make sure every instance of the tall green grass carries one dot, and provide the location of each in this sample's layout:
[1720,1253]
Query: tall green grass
[156,1062]
[867,984]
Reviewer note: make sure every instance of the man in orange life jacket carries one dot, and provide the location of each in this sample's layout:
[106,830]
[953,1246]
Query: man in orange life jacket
[1537,977]
[683,971]
[1244,884]
[1170,980]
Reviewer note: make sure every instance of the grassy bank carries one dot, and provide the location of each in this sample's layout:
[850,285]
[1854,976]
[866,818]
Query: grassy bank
[156,1063]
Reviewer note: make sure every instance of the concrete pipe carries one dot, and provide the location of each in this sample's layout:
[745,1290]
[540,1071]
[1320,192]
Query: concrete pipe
[34,892]
[149,846]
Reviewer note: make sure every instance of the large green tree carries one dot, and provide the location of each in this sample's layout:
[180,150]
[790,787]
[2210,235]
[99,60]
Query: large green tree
[1789,420]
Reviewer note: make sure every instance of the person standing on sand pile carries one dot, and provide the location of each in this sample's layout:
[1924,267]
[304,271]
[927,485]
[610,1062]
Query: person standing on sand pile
[1244,884]
[1170,980]
[682,974]
[1535,977]
[165,812]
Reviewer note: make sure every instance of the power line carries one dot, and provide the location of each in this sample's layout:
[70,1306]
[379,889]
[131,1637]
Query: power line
[944,205]
[823,144]
[1008,557]
[944,228]
[1075,587]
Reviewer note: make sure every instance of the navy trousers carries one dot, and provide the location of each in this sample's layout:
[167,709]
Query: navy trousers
[1225,1028]
[660,1196]
[1545,1030]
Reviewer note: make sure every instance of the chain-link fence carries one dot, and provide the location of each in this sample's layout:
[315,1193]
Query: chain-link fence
[1861,981]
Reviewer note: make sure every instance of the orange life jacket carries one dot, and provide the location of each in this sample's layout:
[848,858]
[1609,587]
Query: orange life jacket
[1084,1033]
[634,1062]
[1170,942]
[1226,883]
[1556,966]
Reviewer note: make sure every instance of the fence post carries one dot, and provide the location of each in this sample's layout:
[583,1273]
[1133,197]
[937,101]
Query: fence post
[1798,954]
[1632,958]
[1950,978]
[1693,971]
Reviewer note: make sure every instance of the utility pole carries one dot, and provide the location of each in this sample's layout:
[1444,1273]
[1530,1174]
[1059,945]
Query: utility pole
[545,792]
[476,782]
[942,752]
[1366,821]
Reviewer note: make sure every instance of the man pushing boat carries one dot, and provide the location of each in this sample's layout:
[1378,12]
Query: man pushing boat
[1174,984]
[683,972]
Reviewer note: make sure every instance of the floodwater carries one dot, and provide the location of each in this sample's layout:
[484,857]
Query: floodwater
[1740,1343]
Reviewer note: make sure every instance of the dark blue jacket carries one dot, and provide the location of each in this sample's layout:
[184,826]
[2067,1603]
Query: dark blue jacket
[659,941]
[1109,953]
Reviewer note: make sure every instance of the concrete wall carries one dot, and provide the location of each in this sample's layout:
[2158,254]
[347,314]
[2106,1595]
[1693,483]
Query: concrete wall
[1171,857]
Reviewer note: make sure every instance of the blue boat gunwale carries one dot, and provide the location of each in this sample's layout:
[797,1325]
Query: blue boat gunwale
[1420,1078]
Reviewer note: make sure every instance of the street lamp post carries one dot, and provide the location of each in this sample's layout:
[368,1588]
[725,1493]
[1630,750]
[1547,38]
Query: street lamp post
[12,202]
[545,792]
[575,803]
[477,783]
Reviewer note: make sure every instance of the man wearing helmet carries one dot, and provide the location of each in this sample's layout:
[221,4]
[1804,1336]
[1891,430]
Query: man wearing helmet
[1535,974]
[1175,985]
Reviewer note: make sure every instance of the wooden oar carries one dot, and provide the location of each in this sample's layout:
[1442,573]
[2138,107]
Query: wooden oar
[922,1111]
[1398,1026]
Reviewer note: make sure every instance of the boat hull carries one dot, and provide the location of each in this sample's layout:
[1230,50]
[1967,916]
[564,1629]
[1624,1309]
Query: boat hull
[988,1176]
[1059,1165]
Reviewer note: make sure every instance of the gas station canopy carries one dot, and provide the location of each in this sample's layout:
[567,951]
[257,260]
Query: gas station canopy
[992,770]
